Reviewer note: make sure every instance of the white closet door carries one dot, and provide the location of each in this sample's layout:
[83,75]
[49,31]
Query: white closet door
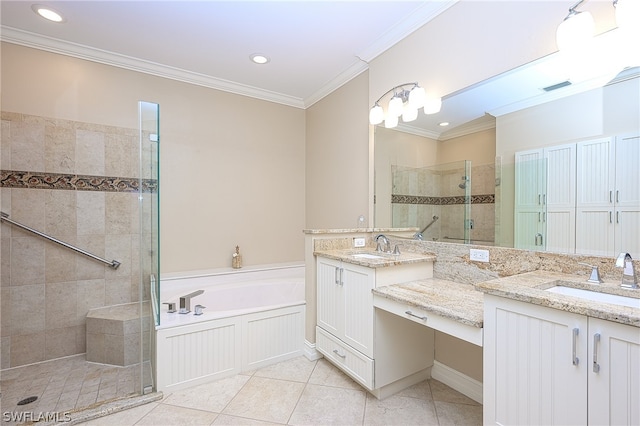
[560,198]
[595,169]
[530,173]
[627,193]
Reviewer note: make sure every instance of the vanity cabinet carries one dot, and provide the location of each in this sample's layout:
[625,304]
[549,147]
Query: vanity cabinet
[382,352]
[546,366]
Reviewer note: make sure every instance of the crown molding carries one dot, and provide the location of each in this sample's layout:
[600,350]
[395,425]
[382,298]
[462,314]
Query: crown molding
[420,16]
[417,131]
[50,44]
[476,126]
[340,80]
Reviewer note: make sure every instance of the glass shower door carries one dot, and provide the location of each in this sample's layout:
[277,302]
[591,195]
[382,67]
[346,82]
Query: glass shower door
[149,203]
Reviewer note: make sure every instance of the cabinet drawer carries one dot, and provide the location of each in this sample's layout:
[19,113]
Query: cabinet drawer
[352,362]
[454,328]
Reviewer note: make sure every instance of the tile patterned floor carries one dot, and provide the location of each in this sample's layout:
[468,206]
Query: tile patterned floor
[64,384]
[300,392]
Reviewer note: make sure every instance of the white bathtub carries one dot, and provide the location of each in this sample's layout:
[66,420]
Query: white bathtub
[253,317]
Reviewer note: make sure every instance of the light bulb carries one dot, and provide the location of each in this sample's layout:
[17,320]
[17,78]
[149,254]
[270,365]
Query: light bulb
[575,31]
[395,106]
[417,97]
[391,121]
[376,115]
[409,113]
[432,105]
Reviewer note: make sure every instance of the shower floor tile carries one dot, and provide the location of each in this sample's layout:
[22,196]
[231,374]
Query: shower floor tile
[64,385]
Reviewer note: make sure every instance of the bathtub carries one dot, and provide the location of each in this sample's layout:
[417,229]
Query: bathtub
[253,317]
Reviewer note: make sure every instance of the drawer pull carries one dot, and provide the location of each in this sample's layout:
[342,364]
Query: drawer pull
[335,351]
[574,356]
[596,340]
[411,314]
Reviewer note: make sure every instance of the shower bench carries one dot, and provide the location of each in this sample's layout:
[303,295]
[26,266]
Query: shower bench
[115,333]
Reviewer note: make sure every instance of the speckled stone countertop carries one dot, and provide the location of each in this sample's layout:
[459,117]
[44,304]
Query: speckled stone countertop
[383,259]
[530,287]
[455,301]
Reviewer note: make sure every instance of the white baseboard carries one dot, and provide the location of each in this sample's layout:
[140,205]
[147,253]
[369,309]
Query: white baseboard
[310,351]
[458,381]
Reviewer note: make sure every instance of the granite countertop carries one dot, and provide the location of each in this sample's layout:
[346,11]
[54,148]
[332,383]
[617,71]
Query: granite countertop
[530,287]
[448,299]
[381,260]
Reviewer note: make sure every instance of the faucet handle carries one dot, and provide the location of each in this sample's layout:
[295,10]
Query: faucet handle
[595,274]
[396,250]
[198,310]
[171,307]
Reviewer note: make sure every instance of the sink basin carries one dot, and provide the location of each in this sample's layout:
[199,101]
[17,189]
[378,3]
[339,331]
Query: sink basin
[367,256]
[596,296]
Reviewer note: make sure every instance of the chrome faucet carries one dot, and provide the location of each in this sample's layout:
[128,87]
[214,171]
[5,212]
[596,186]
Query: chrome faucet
[595,274]
[386,242]
[185,301]
[629,279]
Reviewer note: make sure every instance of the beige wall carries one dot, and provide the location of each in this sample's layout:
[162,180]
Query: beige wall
[479,147]
[337,157]
[232,168]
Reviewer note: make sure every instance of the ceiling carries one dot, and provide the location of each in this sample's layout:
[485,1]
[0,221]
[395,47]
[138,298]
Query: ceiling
[314,47]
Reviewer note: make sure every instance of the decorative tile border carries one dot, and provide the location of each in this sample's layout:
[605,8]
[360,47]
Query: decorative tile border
[442,201]
[37,180]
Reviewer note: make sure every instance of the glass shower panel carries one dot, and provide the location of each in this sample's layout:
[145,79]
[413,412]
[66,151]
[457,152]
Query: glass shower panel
[149,192]
[434,199]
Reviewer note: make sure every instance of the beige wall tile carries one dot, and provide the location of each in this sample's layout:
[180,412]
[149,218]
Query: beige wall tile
[5,312]
[60,262]
[27,348]
[90,294]
[113,349]
[118,212]
[90,212]
[61,306]
[118,247]
[5,145]
[87,268]
[117,290]
[118,159]
[27,261]
[90,153]
[60,342]
[27,145]
[28,207]
[81,339]
[95,347]
[60,148]
[5,352]
[5,258]
[60,213]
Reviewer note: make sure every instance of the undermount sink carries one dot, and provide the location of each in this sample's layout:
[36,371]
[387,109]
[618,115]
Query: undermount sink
[367,256]
[596,296]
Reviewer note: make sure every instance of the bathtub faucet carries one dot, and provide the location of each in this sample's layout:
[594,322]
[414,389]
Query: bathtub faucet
[185,301]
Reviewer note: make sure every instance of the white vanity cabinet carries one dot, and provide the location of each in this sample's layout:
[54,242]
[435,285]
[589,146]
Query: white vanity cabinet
[382,352]
[539,367]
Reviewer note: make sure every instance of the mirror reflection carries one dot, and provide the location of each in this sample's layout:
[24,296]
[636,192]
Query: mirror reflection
[547,180]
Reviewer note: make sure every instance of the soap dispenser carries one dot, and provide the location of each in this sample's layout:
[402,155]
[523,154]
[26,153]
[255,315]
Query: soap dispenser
[236,259]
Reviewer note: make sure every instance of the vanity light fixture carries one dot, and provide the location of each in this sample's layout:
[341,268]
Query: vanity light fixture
[259,58]
[47,13]
[576,31]
[406,100]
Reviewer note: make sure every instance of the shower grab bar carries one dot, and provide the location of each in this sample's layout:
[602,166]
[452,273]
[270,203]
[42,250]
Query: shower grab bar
[418,235]
[5,217]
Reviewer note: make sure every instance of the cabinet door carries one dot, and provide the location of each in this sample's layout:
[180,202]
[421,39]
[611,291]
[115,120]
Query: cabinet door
[560,198]
[534,364]
[614,373]
[595,197]
[330,303]
[627,195]
[358,282]
[530,174]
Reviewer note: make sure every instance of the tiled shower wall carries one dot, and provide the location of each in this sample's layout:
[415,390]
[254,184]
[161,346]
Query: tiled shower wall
[420,194]
[76,182]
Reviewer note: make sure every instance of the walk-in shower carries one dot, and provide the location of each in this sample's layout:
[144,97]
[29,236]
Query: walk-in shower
[75,196]
[429,198]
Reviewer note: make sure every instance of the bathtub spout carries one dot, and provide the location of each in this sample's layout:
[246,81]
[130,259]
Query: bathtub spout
[185,301]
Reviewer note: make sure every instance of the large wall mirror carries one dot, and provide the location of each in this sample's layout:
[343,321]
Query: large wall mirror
[540,167]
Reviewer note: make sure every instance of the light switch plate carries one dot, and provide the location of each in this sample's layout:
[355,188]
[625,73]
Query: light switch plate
[479,255]
[359,242]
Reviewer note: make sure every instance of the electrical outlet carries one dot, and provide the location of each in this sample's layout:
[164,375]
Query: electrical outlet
[479,255]
[359,242]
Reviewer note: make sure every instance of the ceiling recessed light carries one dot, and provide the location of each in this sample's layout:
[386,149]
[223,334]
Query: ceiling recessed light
[259,58]
[443,124]
[47,13]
